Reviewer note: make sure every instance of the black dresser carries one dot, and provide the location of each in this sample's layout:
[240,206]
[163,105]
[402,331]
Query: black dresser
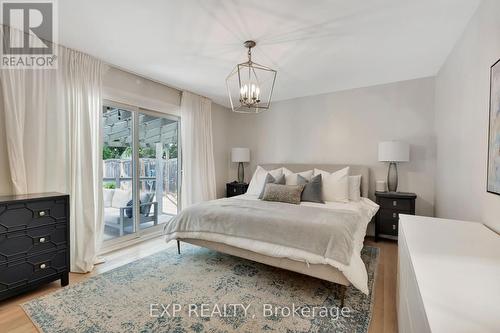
[391,205]
[236,188]
[34,241]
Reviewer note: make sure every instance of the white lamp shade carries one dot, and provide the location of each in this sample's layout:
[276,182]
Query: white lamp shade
[393,151]
[240,155]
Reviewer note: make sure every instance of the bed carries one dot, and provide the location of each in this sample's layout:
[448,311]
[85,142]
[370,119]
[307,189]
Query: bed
[319,240]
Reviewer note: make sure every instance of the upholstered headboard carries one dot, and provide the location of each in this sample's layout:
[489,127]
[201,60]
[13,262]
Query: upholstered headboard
[353,171]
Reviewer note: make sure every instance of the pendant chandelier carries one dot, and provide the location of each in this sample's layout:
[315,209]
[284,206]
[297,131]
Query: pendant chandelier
[250,85]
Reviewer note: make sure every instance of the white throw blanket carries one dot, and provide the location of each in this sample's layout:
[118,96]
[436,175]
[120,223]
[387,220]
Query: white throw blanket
[329,233]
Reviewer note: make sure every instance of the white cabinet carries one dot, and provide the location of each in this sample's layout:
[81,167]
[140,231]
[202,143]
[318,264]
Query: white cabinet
[448,276]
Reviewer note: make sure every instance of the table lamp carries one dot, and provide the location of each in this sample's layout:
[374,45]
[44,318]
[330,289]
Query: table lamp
[240,155]
[393,152]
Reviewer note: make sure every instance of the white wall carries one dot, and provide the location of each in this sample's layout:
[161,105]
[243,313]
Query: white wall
[462,108]
[345,127]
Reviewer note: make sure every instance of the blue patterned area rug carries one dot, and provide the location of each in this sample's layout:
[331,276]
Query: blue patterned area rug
[204,291]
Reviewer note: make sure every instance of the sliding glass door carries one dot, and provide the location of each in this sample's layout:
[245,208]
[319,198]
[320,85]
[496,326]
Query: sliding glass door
[118,173]
[158,174]
[140,171]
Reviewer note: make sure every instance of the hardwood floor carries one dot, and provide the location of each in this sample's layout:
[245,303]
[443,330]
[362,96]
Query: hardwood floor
[384,320]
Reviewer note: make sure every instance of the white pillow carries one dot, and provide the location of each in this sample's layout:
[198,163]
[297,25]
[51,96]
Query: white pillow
[355,188]
[108,197]
[291,178]
[286,172]
[335,185]
[258,178]
[121,198]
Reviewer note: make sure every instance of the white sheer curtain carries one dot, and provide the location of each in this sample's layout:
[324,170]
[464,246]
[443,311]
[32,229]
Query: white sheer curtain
[81,77]
[198,169]
[29,107]
[52,120]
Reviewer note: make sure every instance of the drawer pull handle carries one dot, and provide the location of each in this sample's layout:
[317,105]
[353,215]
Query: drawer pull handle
[393,227]
[394,203]
[41,213]
[42,240]
[43,266]
[394,215]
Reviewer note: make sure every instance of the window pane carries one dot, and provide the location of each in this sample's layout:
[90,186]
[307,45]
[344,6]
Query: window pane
[117,158]
[157,169]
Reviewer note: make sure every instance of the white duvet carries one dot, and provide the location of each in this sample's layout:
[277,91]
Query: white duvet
[354,271]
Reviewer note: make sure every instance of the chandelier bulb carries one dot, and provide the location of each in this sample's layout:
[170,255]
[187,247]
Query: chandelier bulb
[250,89]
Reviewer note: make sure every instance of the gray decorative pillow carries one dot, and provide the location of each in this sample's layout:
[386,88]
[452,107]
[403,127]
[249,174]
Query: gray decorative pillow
[313,189]
[271,180]
[283,193]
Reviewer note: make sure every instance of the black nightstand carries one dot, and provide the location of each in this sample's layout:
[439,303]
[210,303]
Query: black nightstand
[391,205]
[235,188]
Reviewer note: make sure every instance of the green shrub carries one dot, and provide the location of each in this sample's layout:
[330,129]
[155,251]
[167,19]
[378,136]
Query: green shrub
[110,186]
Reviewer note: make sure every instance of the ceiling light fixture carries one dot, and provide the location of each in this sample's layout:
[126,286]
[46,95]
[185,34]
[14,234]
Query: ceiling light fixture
[250,85]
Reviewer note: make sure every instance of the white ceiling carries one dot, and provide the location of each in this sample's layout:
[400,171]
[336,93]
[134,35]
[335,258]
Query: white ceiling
[317,46]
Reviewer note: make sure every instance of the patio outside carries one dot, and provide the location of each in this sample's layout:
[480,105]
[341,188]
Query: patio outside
[158,172]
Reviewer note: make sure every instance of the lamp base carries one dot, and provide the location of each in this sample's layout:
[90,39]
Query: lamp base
[241,172]
[392,177]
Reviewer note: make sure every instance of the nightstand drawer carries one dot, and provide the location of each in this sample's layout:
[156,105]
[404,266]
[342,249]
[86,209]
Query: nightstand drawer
[389,228]
[388,222]
[390,214]
[233,189]
[397,204]
[392,204]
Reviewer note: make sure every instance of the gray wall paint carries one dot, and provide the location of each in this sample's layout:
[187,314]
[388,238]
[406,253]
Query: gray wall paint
[345,127]
[220,125]
[462,105]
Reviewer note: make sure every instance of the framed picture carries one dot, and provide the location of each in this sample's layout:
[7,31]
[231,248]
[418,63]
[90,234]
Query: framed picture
[493,182]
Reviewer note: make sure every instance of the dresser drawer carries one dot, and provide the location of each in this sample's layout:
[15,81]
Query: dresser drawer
[31,270]
[32,214]
[397,204]
[19,244]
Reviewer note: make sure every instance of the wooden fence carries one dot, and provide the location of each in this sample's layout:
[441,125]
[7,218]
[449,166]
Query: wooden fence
[119,173]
